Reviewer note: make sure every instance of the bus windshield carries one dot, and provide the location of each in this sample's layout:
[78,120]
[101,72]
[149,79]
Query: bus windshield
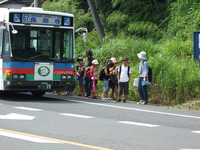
[40,44]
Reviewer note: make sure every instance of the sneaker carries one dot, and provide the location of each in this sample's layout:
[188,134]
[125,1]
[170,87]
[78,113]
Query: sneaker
[143,103]
[124,100]
[119,100]
[140,102]
[109,98]
[104,98]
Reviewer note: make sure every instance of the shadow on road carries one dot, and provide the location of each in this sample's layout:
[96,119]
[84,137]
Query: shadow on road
[26,97]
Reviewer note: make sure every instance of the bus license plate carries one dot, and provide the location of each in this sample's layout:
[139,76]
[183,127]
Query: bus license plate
[44,86]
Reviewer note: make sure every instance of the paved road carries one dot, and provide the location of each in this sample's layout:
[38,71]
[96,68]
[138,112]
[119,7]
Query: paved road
[72,123]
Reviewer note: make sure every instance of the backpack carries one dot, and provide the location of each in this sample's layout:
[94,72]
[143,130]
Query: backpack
[102,74]
[89,73]
[120,69]
[149,73]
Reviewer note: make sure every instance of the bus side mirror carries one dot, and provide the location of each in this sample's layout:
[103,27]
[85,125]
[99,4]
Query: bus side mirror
[85,37]
[14,31]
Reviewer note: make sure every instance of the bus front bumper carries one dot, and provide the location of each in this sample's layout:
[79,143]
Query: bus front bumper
[28,86]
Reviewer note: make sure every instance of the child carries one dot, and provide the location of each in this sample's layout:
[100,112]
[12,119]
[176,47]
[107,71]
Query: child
[106,81]
[124,74]
[113,81]
[80,74]
[94,79]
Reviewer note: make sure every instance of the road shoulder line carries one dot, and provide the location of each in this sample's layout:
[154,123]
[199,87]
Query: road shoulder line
[135,109]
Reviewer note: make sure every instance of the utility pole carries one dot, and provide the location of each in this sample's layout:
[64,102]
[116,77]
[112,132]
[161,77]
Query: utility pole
[96,18]
[37,3]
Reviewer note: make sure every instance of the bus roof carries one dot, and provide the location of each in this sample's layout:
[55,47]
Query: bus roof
[4,12]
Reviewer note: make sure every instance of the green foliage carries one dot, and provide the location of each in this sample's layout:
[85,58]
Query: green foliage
[147,29]
[185,18]
[82,18]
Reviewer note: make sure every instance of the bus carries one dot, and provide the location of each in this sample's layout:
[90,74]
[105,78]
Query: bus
[36,50]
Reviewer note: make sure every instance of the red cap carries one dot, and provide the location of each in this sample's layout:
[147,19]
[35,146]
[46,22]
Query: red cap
[114,61]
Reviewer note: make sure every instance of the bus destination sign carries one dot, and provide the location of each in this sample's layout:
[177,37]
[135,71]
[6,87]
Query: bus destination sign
[41,19]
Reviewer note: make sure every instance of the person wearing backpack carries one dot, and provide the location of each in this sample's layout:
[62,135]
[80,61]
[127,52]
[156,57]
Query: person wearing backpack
[80,74]
[113,84]
[124,75]
[106,76]
[87,77]
[143,76]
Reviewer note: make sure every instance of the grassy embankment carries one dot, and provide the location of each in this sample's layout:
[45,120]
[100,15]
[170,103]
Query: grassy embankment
[176,77]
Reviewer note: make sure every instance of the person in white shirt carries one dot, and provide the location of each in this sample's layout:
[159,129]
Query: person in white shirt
[124,75]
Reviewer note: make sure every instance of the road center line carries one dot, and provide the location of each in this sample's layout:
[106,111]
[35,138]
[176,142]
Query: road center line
[27,108]
[78,116]
[138,124]
[55,140]
[136,109]
[196,132]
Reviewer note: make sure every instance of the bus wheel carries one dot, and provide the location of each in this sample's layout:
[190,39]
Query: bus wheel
[38,93]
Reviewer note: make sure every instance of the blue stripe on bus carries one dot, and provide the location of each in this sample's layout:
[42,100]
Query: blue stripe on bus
[18,64]
[32,65]
[63,66]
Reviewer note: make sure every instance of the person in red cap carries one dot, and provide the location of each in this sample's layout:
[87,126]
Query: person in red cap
[124,75]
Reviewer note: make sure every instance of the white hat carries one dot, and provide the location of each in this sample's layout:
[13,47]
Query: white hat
[142,55]
[95,62]
[113,59]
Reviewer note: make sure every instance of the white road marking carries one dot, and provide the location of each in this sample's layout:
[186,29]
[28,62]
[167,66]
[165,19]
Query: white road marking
[136,109]
[14,116]
[138,124]
[189,149]
[196,132]
[26,138]
[78,116]
[27,108]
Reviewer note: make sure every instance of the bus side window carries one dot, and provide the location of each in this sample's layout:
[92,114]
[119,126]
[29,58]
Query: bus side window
[1,38]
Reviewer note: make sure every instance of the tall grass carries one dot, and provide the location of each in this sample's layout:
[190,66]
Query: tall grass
[176,77]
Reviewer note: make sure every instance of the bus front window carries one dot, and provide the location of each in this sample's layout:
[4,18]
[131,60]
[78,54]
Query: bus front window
[42,43]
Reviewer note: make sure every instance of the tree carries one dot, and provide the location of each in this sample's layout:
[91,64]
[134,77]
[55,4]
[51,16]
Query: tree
[96,18]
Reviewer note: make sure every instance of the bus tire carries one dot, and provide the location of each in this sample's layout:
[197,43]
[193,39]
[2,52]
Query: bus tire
[38,93]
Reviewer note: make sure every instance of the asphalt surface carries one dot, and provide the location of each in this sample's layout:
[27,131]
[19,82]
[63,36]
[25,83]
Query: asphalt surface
[72,123]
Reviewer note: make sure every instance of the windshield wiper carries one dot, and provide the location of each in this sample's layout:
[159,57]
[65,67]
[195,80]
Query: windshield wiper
[23,59]
[34,57]
[54,59]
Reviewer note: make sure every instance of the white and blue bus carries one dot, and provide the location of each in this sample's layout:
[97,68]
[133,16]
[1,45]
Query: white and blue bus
[36,50]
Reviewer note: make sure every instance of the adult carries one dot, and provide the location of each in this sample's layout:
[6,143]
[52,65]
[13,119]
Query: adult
[143,74]
[88,64]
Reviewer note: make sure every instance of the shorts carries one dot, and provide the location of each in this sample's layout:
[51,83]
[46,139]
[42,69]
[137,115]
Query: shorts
[113,85]
[105,87]
[81,82]
[124,86]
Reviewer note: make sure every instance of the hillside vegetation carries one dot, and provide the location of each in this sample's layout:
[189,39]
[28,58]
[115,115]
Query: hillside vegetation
[163,29]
